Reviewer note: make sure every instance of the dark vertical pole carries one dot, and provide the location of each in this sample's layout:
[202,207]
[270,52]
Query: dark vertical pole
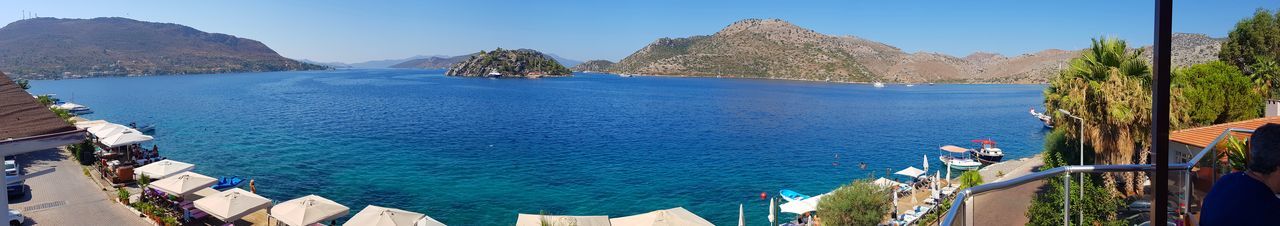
[1160,111]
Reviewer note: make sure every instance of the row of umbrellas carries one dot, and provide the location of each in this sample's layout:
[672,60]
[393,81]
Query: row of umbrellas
[668,217]
[233,204]
[113,135]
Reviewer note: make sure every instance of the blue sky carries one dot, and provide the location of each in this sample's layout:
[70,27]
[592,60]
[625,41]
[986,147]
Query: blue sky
[353,31]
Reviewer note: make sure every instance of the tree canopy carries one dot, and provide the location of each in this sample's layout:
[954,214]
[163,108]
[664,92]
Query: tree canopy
[1253,39]
[857,203]
[1213,93]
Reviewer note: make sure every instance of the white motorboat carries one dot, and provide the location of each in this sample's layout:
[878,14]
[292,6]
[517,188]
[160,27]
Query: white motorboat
[1046,119]
[958,158]
[878,84]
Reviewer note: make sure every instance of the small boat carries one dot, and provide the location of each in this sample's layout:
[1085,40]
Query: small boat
[145,129]
[987,151]
[227,183]
[1046,119]
[791,196]
[878,84]
[624,75]
[495,74]
[74,108]
[958,158]
[911,85]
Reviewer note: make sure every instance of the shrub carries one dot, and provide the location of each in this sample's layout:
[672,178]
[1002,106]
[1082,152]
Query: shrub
[122,194]
[857,203]
[970,178]
[1237,152]
[144,181]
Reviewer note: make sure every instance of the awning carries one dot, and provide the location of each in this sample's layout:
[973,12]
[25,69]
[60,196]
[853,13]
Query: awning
[308,210]
[954,149]
[910,172]
[381,216]
[232,204]
[537,220]
[90,124]
[106,129]
[183,183]
[886,183]
[164,168]
[673,216]
[803,206]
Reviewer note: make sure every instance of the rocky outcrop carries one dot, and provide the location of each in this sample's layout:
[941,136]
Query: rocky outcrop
[520,63]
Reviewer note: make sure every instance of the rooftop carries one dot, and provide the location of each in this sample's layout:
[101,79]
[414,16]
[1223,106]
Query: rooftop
[1202,136]
[22,116]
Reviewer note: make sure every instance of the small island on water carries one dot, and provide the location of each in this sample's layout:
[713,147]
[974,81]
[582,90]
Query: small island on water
[500,63]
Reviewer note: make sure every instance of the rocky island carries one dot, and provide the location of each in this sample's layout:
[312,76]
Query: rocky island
[593,66]
[520,63]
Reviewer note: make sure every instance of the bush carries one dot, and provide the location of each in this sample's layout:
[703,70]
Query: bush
[970,178]
[123,195]
[1237,152]
[858,203]
[1098,209]
[143,181]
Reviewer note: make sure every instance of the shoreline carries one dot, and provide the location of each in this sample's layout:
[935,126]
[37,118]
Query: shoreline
[812,80]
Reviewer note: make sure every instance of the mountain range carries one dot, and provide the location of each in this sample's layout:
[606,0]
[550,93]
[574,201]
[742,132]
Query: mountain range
[50,48]
[776,49]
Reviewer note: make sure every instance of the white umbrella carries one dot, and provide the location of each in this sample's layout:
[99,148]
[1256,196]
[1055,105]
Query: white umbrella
[886,183]
[164,168]
[373,215]
[926,162]
[232,204]
[539,220]
[772,218]
[802,206]
[742,219]
[669,217]
[910,172]
[308,210]
[122,138]
[183,183]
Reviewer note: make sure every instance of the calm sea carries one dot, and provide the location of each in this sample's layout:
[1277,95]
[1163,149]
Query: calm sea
[474,151]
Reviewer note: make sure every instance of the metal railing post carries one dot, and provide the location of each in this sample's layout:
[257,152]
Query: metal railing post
[968,210]
[1066,199]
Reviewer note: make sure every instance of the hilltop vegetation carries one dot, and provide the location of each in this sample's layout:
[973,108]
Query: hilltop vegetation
[520,63]
[776,49]
[593,65]
[49,48]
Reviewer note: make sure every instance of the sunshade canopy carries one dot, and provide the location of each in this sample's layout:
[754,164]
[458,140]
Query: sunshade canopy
[126,137]
[669,217]
[90,124]
[103,130]
[232,204]
[910,172]
[803,206]
[308,210]
[164,168]
[954,149]
[184,183]
[373,215]
[886,183]
[537,220]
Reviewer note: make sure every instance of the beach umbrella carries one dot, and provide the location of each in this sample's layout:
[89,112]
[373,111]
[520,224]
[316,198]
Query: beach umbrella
[126,137]
[669,217]
[926,162]
[772,217]
[308,210]
[886,183]
[539,220]
[232,204]
[373,215]
[183,183]
[164,168]
[802,206]
[910,172]
[742,219]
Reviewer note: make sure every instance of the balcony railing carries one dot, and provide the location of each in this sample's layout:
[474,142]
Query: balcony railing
[962,212]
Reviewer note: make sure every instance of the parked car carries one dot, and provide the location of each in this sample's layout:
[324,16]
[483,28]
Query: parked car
[13,175]
[16,218]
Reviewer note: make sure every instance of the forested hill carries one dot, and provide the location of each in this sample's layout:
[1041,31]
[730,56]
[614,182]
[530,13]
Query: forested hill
[52,48]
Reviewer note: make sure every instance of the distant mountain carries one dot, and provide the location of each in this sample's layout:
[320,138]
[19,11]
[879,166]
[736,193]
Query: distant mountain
[776,49]
[389,62]
[593,65]
[434,62]
[520,63]
[47,48]
[328,64]
[564,61]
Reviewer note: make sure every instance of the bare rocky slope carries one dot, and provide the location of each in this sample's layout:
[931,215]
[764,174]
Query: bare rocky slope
[776,49]
[593,66]
[520,63]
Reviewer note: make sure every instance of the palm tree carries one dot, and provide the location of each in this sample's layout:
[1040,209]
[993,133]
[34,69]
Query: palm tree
[1107,86]
[1265,75]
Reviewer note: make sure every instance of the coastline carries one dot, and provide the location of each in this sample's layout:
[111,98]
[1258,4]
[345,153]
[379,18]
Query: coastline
[815,80]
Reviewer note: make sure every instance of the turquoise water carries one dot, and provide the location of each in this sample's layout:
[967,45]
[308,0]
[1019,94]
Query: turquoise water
[472,151]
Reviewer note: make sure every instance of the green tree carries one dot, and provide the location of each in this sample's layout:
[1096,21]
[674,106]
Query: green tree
[1214,93]
[1253,39]
[1266,77]
[857,203]
[1107,86]
[970,178]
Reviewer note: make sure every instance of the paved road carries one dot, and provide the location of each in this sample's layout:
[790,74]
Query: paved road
[63,195]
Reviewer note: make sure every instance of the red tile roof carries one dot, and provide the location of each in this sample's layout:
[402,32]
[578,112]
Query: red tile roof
[22,116]
[1202,136]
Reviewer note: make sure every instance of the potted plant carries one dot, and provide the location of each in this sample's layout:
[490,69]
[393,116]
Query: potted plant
[1237,151]
[123,195]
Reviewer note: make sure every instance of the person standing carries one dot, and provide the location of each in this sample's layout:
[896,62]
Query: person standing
[1249,197]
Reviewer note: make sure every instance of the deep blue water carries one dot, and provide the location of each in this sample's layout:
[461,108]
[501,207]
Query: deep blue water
[472,151]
